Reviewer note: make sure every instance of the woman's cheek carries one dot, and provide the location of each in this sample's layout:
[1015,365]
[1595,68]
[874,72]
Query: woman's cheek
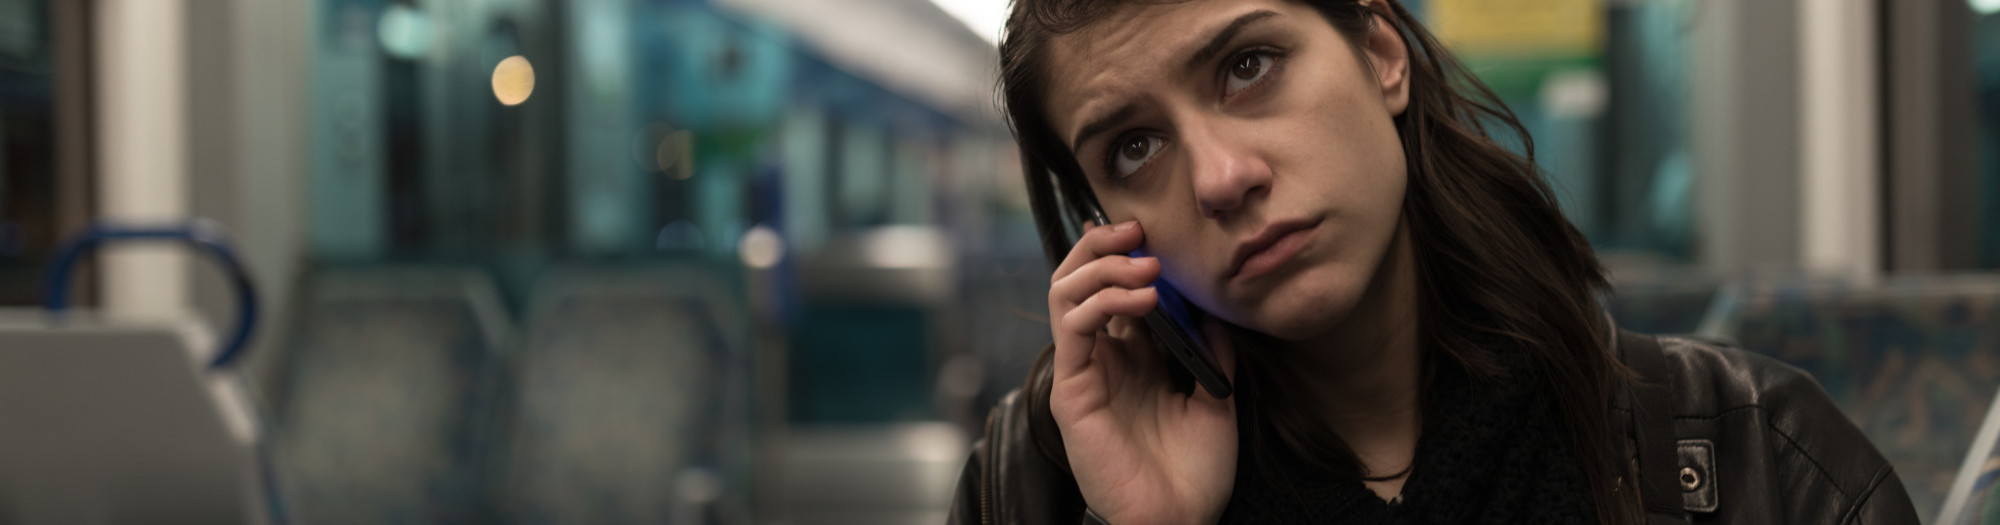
[1200,290]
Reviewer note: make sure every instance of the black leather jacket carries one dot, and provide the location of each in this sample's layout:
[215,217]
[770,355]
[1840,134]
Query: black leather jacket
[1752,440]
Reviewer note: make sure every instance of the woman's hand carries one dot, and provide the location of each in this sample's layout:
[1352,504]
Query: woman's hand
[1141,452]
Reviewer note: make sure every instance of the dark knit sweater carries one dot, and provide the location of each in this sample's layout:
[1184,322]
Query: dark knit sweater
[1492,452]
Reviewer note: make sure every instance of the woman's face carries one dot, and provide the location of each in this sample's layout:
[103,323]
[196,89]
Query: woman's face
[1254,144]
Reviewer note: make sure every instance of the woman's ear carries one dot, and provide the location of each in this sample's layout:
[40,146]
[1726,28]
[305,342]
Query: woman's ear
[1389,58]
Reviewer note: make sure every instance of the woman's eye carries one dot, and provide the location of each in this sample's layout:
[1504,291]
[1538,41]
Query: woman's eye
[1245,70]
[1132,154]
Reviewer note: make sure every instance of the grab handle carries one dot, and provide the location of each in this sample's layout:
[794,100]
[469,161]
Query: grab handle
[200,233]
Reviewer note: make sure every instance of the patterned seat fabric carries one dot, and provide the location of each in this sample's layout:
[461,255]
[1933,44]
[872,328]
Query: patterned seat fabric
[376,422]
[1914,363]
[629,404]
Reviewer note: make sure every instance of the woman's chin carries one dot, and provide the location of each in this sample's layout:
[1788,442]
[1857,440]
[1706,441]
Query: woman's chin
[1302,311]
[1291,327]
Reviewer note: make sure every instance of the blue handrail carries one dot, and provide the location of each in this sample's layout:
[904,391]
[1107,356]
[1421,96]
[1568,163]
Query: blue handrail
[200,233]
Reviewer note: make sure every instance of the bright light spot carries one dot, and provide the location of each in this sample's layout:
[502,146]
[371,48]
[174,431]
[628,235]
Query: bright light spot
[905,247]
[404,32]
[675,155]
[660,148]
[985,17]
[513,80]
[761,248]
[1986,7]
[1575,94]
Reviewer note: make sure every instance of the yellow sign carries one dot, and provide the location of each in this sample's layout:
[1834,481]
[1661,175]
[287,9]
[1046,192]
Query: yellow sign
[1518,27]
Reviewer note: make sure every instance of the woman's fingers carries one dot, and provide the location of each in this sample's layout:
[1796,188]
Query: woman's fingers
[1077,330]
[1093,284]
[1097,242]
[1112,271]
[1091,316]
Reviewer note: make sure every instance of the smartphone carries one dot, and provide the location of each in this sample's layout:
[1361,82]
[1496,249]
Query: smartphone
[1175,324]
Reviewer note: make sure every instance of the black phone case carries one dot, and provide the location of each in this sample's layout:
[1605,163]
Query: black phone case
[1193,355]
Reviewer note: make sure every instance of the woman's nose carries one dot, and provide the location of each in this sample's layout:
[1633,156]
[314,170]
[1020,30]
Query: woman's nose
[1228,173]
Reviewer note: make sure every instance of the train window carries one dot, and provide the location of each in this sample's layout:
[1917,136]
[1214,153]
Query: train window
[1602,88]
[32,216]
[1986,74]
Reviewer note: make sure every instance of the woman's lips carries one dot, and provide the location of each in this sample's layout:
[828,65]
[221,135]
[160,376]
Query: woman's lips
[1290,240]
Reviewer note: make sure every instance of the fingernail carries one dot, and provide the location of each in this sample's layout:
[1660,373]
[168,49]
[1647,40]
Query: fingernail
[1127,225]
[1140,261]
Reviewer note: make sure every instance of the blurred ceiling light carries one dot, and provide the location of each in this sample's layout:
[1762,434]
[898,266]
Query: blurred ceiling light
[761,248]
[985,17]
[404,32]
[513,80]
[1986,7]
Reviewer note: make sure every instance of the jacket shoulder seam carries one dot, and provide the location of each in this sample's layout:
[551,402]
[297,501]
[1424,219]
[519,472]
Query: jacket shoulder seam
[1817,466]
[1853,512]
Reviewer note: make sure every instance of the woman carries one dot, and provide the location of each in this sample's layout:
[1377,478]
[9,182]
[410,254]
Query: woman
[1411,326]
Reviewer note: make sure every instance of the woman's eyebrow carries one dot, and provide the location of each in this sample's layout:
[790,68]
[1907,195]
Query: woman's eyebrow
[1102,125]
[1222,37]
[1199,57]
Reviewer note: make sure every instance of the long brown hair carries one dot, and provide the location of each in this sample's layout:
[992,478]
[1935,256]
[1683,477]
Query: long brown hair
[1495,258]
